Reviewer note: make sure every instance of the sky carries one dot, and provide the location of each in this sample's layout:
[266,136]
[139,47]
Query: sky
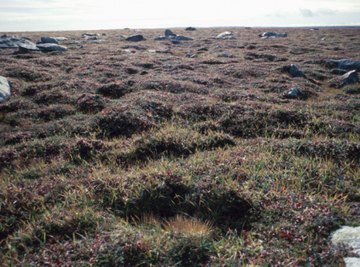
[53,15]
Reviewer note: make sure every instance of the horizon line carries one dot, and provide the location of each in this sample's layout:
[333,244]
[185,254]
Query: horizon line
[199,27]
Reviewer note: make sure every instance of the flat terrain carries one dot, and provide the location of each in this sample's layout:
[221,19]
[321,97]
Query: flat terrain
[154,153]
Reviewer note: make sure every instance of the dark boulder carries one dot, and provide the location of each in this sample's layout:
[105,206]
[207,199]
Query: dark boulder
[348,78]
[51,48]
[182,38]
[343,64]
[169,33]
[48,40]
[135,38]
[175,39]
[293,70]
[15,42]
[190,29]
[296,93]
[266,35]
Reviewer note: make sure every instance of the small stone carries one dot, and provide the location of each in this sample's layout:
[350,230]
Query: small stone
[5,91]
[225,36]
[190,29]
[89,35]
[169,33]
[266,35]
[15,42]
[60,39]
[293,93]
[293,70]
[160,38]
[48,40]
[348,78]
[182,38]
[343,64]
[135,38]
[51,48]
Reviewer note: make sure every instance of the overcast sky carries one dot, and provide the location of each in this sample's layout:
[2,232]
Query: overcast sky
[37,15]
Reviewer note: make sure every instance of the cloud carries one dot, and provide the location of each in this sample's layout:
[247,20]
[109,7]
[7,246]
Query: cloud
[326,12]
[307,13]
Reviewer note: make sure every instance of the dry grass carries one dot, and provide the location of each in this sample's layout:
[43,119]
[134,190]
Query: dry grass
[188,226]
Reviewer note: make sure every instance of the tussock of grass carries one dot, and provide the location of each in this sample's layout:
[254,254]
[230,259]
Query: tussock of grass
[172,141]
[188,226]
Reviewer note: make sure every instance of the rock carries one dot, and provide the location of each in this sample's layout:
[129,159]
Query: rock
[343,64]
[225,36]
[135,38]
[89,35]
[48,40]
[338,71]
[352,262]
[25,48]
[348,78]
[136,47]
[15,42]
[190,29]
[169,33]
[160,38]
[91,38]
[175,39]
[293,70]
[60,39]
[51,48]
[348,236]
[294,93]
[4,89]
[266,35]
[182,38]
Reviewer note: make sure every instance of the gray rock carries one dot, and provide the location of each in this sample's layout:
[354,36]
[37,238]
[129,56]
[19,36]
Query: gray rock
[91,38]
[135,38]
[352,262]
[190,29]
[48,40]
[89,35]
[182,38]
[24,49]
[338,71]
[60,39]
[293,70]
[51,48]
[160,38]
[294,93]
[348,236]
[5,91]
[225,36]
[343,64]
[348,78]
[15,42]
[175,39]
[169,33]
[136,47]
[266,35]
